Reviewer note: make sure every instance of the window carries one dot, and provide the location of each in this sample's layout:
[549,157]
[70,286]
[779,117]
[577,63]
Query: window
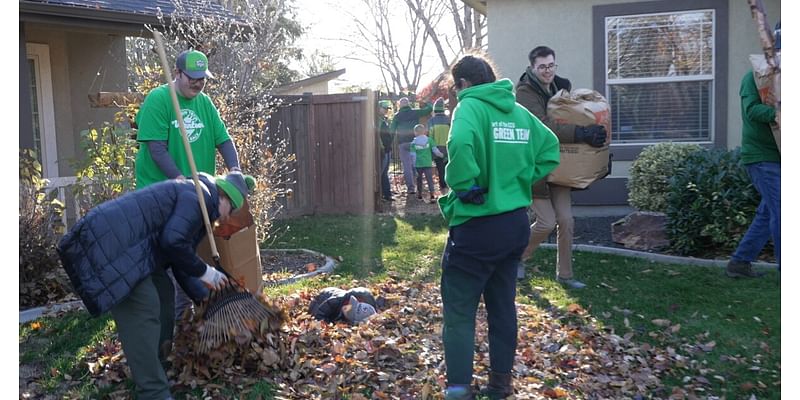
[660,76]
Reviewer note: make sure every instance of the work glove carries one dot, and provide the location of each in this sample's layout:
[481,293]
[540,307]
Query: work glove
[593,135]
[473,196]
[213,278]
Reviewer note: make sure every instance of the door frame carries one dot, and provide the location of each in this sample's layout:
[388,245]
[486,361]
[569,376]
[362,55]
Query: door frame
[40,53]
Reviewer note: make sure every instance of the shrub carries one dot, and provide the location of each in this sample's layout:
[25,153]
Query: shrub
[649,181]
[106,169]
[41,278]
[710,203]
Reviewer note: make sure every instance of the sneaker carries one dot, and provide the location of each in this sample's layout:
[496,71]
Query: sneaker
[433,198]
[572,283]
[521,270]
[419,196]
[739,269]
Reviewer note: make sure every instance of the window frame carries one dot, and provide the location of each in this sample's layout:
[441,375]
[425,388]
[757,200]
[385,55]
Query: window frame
[719,92]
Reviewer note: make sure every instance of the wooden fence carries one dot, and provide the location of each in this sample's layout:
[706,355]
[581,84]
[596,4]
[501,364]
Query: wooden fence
[334,140]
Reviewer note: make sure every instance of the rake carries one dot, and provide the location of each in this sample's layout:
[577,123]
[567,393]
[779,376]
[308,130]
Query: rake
[231,312]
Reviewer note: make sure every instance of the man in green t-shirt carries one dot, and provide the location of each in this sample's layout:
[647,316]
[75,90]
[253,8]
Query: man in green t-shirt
[161,154]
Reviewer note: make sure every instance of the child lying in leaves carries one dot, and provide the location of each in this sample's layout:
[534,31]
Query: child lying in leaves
[352,306]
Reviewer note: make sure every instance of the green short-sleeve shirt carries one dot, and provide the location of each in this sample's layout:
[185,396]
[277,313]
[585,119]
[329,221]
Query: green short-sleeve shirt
[156,121]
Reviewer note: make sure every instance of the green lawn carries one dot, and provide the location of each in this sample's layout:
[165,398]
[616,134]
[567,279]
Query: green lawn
[731,328]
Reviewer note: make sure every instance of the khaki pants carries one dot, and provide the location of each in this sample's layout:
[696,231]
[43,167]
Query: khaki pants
[555,212]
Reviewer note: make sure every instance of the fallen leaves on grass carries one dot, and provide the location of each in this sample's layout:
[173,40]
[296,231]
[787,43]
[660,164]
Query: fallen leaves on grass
[398,354]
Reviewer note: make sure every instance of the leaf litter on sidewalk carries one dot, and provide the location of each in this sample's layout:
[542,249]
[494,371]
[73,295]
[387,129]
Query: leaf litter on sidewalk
[398,354]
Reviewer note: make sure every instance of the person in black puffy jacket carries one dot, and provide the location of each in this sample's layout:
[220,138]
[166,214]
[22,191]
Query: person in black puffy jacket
[352,306]
[116,256]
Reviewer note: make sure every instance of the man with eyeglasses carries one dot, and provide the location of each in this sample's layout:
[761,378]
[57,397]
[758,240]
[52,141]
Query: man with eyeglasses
[552,204]
[161,153]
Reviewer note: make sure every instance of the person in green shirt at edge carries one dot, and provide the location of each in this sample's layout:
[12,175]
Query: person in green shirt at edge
[162,154]
[423,148]
[497,149]
[439,129]
[402,128]
[762,159]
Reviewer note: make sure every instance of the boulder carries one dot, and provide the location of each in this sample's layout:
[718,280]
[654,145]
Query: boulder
[641,230]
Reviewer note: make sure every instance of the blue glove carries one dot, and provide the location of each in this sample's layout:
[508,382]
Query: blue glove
[473,196]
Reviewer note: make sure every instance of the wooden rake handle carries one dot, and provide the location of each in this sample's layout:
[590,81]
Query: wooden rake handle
[165,65]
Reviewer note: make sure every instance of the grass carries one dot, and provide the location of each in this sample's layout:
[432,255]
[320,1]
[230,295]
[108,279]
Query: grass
[741,316]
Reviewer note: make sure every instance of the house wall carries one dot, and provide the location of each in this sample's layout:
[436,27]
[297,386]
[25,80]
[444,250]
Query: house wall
[517,26]
[81,63]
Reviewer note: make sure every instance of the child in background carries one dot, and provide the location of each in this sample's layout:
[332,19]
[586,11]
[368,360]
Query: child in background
[423,148]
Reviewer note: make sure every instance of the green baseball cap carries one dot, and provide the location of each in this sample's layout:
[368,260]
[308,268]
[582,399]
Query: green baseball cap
[194,64]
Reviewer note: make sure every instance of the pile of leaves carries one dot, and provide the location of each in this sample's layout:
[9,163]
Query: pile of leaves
[398,354]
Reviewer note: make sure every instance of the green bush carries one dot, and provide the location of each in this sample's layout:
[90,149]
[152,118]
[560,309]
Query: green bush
[710,204]
[649,181]
[106,169]
[41,278]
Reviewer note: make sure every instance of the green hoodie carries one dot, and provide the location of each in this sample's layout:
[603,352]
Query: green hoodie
[498,145]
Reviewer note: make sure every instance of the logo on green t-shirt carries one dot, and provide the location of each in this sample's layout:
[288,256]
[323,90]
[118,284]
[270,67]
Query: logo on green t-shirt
[194,126]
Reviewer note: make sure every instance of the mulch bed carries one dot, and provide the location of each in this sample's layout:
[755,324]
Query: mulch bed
[279,265]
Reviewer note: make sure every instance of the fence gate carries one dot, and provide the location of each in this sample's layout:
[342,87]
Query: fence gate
[334,140]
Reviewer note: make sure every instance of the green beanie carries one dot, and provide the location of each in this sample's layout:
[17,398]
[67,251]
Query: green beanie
[438,106]
[236,186]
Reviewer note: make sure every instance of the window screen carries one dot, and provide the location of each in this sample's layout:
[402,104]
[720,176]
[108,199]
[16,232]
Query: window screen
[660,76]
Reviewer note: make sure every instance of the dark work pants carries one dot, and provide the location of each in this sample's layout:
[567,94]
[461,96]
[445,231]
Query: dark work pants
[481,258]
[145,322]
[440,164]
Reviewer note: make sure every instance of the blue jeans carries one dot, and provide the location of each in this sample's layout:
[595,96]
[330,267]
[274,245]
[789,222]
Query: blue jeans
[386,191]
[408,165]
[428,172]
[766,177]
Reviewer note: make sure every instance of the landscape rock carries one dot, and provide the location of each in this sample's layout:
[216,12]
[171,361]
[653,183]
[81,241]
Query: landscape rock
[641,230]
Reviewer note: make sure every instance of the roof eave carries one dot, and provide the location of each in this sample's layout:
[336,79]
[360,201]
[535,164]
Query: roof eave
[478,5]
[83,17]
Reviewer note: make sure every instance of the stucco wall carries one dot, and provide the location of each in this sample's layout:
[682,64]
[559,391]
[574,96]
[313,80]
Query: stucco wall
[517,26]
[81,63]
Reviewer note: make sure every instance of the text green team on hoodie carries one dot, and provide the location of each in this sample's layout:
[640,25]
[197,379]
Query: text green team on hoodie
[498,145]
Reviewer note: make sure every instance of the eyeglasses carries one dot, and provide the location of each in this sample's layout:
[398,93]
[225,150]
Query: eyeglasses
[543,68]
[193,80]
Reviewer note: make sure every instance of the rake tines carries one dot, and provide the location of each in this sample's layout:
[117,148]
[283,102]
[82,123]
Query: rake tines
[233,313]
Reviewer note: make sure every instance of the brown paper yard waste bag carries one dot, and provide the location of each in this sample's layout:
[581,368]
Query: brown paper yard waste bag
[237,245]
[581,164]
[768,83]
